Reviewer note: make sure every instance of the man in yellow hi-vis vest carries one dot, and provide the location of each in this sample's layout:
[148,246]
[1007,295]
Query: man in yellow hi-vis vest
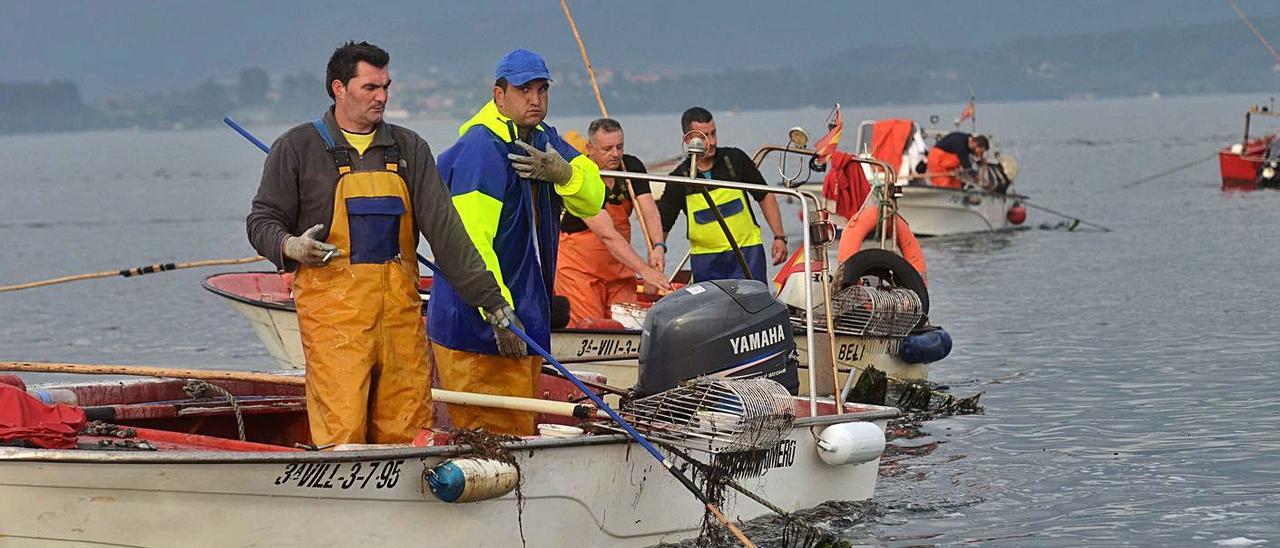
[712,255]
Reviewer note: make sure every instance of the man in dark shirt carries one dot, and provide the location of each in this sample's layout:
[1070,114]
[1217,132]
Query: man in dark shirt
[951,153]
[712,255]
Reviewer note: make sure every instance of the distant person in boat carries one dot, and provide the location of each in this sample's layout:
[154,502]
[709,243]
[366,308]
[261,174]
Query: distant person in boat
[509,175]
[342,201]
[592,270]
[712,255]
[951,155]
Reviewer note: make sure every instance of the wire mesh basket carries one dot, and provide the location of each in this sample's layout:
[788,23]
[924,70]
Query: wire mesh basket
[869,311]
[716,415]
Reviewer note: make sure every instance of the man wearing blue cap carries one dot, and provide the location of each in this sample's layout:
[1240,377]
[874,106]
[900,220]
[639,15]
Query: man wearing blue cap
[509,175]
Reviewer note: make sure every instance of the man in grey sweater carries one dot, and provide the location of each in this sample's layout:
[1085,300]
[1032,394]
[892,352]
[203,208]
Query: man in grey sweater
[341,202]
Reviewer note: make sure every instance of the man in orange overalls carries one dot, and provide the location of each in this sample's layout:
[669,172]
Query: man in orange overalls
[376,186]
[591,271]
[951,154]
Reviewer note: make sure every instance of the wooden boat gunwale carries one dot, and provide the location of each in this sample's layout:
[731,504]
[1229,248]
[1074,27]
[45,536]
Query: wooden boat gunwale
[23,454]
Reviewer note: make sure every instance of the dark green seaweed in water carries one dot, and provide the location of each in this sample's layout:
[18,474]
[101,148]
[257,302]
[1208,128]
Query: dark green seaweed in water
[922,399]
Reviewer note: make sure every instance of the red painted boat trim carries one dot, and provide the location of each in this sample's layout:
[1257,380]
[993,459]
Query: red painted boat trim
[165,440]
[1240,171]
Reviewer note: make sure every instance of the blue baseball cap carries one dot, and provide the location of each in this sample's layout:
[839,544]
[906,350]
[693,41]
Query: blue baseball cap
[520,66]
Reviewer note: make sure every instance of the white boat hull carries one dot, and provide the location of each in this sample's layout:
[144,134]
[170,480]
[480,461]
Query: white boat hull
[586,493]
[935,211]
[853,355]
[278,331]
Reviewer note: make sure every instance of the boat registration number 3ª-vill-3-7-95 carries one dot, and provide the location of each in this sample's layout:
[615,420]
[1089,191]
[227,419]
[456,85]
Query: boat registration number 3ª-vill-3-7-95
[342,475]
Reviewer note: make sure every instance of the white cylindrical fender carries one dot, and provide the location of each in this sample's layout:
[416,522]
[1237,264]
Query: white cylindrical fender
[469,480]
[850,443]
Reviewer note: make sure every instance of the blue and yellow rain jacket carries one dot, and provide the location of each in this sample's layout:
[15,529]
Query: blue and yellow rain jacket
[514,224]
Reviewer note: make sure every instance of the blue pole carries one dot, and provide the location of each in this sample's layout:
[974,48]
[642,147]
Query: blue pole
[590,394]
[434,269]
[246,134]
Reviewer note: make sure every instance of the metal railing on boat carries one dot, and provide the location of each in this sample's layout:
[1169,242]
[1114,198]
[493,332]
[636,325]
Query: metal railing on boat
[805,199]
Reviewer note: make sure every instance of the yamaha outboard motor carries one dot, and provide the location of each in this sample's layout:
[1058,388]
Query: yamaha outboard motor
[723,328]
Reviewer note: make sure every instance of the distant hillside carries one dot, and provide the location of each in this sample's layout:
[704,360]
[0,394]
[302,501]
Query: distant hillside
[1202,59]
[1206,58]
[135,47]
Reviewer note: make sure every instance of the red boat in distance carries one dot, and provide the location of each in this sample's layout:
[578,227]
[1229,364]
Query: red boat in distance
[1241,163]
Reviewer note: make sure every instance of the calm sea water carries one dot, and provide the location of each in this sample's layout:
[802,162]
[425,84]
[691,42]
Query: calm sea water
[1128,377]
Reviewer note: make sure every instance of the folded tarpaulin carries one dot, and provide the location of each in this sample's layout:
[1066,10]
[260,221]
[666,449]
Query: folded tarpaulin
[889,140]
[26,421]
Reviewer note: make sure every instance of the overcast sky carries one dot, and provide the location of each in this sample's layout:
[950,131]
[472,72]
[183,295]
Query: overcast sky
[132,46]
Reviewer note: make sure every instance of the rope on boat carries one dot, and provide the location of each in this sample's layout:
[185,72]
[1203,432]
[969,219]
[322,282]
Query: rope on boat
[129,272]
[1074,220]
[195,388]
[1187,165]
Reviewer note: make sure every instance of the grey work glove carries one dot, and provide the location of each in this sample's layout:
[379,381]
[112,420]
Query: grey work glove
[546,165]
[306,249]
[509,344]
